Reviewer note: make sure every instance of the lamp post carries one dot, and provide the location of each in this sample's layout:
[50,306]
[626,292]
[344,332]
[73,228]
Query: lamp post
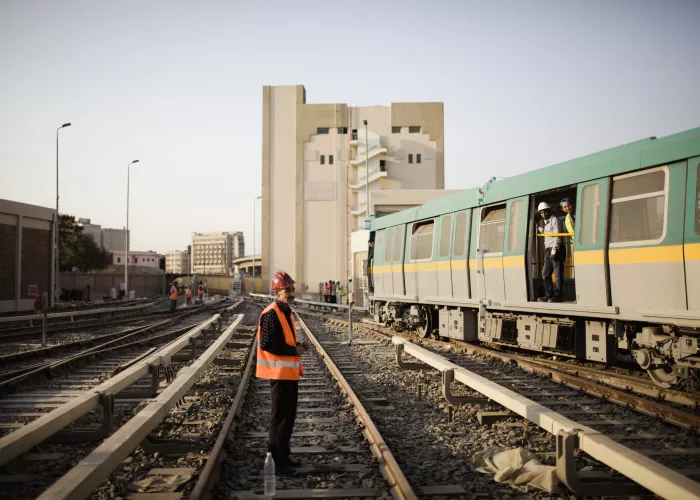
[126,253]
[256,199]
[58,222]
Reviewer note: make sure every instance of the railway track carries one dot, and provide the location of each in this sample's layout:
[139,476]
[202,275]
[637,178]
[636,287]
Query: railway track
[660,441]
[35,452]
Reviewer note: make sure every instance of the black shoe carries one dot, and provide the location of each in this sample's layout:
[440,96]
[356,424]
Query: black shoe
[555,299]
[544,299]
[284,470]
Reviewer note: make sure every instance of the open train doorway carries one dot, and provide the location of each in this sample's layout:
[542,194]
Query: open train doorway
[538,237]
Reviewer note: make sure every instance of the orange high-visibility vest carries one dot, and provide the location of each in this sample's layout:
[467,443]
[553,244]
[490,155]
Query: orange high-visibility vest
[200,290]
[188,293]
[173,293]
[272,366]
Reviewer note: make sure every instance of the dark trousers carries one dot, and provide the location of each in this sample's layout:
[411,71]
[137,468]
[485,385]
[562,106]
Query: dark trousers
[173,305]
[201,296]
[553,266]
[285,394]
[334,299]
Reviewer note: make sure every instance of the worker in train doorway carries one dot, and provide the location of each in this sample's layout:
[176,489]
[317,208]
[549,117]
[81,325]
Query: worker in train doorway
[173,296]
[570,219]
[554,254]
[279,361]
[200,291]
[188,294]
[370,271]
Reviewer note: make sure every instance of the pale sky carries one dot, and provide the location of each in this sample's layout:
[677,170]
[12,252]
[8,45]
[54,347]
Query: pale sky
[178,85]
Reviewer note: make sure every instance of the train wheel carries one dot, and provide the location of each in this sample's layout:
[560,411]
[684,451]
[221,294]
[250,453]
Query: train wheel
[426,326]
[663,376]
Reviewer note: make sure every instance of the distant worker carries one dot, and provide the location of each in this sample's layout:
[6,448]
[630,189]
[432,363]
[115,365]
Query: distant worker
[188,294]
[173,297]
[334,292]
[341,292]
[570,219]
[279,360]
[200,291]
[326,292]
[370,273]
[37,304]
[554,254]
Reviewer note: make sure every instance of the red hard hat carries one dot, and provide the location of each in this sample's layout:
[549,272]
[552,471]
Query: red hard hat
[281,280]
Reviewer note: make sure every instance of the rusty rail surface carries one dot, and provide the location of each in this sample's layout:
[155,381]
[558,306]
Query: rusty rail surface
[390,469]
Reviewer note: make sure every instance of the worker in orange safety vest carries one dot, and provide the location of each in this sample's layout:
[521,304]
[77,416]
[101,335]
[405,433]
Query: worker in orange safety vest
[188,294]
[200,291]
[173,296]
[279,360]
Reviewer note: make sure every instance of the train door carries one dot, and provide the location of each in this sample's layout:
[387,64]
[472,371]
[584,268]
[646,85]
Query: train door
[476,277]
[590,265]
[490,251]
[514,262]
[458,265]
[387,281]
[645,250]
[691,243]
[378,262]
[397,262]
[421,279]
[444,269]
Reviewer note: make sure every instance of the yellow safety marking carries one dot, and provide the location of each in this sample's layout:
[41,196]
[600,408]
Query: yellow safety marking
[590,257]
[459,265]
[443,265]
[645,255]
[472,263]
[514,261]
[396,268]
[542,235]
[493,263]
[692,251]
[416,267]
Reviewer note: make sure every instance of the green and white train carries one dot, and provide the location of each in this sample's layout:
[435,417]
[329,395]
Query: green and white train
[468,266]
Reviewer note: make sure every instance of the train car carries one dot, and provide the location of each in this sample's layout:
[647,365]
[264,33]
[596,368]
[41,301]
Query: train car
[468,266]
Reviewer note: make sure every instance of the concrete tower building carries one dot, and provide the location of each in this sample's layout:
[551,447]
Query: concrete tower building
[314,179]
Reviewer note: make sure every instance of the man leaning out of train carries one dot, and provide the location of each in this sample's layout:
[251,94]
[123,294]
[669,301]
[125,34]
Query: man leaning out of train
[554,254]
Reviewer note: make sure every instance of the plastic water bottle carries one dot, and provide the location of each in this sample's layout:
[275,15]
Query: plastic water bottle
[269,475]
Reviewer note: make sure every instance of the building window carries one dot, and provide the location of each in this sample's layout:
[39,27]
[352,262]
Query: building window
[342,130]
[322,130]
[330,159]
[323,159]
[638,212]
[119,260]
[382,165]
[395,130]
[410,158]
[418,158]
[414,130]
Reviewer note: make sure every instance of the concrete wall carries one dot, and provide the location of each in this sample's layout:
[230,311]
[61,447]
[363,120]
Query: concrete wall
[100,283]
[26,254]
[136,259]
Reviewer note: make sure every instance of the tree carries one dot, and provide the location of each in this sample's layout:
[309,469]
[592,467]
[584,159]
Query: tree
[79,250]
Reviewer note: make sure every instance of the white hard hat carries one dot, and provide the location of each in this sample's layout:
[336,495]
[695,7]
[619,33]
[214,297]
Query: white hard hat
[543,206]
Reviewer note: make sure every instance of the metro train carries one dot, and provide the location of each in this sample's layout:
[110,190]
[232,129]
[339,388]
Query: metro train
[468,266]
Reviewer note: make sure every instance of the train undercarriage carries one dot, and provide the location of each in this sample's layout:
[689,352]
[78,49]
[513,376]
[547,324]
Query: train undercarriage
[670,355]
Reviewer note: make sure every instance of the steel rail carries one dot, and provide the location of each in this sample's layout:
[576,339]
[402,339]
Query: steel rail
[667,413]
[72,314]
[399,485]
[23,374]
[652,475]
[84,478]
[25,438]
[217,455]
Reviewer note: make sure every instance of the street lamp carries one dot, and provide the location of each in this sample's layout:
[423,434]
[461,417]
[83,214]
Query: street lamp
[126,259]
[366,168]
[58,222]
[256,199]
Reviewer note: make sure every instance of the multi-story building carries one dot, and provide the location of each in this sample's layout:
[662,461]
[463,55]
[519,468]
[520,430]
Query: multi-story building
[177,262]
[320,166]
[213,253]
[92,230]
[114,240]
[136,259]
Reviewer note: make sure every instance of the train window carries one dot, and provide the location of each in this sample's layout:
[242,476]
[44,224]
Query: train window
[492,229]
[445,235]
[638,207]
[697,202]
[460,228]
[387,241]
[515,233]
[590,213]
[398,244]
[422,240]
